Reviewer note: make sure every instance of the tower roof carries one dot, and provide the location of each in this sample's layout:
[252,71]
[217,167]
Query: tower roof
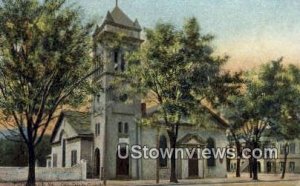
[119,17]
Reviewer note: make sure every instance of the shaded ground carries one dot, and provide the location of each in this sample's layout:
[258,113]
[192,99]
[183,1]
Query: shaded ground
[264,180]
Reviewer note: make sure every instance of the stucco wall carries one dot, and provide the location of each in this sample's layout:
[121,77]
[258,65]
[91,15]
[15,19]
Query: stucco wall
[86,154]
[113,139]
[74,144]
[15,174]
[149,136]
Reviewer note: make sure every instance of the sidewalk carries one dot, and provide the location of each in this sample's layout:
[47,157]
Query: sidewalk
[231,179]
[275,179]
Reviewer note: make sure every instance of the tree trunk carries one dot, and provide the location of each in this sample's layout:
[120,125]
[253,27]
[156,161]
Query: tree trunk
[173,139]
[254,169]
[285,160]
[250,167]
[31,166]
[254,163]
[238,161]
[238,168]
[157,161]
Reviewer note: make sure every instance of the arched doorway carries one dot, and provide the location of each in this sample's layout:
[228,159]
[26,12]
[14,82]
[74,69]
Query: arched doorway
[97,163]
[269,167]
[193,166]
[122,163]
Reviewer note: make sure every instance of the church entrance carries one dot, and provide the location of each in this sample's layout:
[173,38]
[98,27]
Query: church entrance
[122,164]
[193,166]
[97,163]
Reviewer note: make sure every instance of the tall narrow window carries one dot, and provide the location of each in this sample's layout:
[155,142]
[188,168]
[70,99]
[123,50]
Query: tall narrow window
[98,130]
[116,60]
[54,160]
[292,166]
[123,63]
[116,56]
[211,145]
[126,128]
[163,161]
[49,164]
[73,157]
[63,153]
[120,130]
[281,148]
[98,98]
[292,148]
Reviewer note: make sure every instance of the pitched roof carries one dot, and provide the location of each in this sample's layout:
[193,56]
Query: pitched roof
[79,121]
[119,17]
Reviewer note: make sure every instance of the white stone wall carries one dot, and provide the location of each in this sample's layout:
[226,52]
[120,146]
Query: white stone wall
[16,174]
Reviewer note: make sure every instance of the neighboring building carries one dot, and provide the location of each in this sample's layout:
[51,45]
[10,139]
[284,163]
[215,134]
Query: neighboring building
[113,118]
[293,158]
[271,164]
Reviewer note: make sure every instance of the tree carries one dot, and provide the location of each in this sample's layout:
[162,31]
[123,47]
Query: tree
[267,94]
[45,62]
[178,70]
[289,128]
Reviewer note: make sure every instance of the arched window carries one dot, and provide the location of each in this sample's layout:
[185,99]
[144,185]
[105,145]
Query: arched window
[163,161]
[211,162]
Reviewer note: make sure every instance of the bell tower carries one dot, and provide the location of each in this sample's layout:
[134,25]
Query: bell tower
[114,113]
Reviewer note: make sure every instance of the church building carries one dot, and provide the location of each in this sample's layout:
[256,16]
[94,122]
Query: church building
[112,120]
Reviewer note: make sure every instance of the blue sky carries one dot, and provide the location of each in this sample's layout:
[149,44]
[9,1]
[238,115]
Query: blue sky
[250,31]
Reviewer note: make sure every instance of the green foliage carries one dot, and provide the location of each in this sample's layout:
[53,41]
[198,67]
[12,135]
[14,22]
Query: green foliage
[45,63]
[15,154]
[270,101]
[178,67]
[45,60]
